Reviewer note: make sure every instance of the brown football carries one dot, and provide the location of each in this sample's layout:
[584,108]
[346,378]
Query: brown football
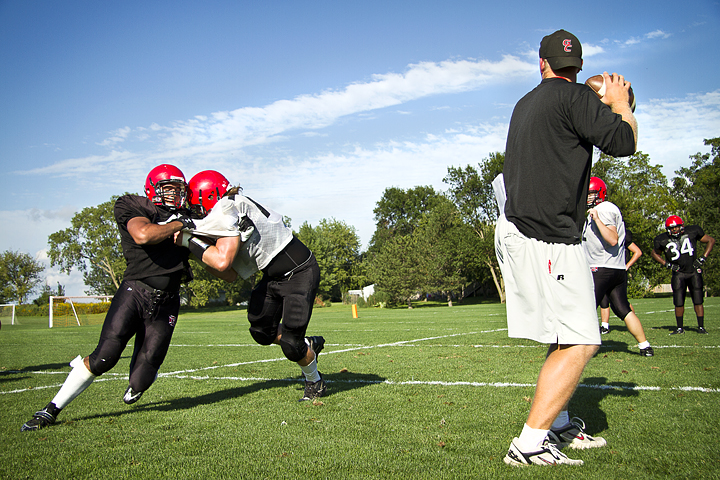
[597,83]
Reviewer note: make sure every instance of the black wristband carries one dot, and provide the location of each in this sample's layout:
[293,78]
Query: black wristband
[197,247]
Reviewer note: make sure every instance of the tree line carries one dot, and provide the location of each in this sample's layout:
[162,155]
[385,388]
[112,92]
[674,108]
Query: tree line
[426,242]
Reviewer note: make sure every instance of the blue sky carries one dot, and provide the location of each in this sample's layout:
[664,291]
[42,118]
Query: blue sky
[313,107]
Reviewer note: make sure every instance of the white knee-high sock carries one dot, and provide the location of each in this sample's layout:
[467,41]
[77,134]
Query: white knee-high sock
[77,381]
[311,372]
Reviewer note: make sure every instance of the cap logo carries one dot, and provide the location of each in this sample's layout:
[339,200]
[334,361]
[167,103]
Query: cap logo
[567,44]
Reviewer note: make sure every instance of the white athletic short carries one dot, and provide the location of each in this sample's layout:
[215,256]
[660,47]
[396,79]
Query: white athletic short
[549,289]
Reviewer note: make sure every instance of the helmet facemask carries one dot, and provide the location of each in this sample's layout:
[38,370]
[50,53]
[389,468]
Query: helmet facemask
[170,193]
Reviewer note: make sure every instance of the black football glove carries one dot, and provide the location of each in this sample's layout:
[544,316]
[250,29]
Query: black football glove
[673,267]
[699,262]
[179,217]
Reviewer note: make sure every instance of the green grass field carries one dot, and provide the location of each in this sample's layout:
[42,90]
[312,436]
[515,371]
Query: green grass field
[432,392]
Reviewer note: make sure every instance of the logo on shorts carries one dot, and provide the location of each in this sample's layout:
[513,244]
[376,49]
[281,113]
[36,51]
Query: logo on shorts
[172,320]
[561,277]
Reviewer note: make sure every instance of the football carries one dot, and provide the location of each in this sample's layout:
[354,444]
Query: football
[597,83]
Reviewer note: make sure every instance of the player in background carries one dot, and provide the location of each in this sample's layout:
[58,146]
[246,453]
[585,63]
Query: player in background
[538,236]
[604,244]
[635,254]
[147,303]
[680,248]
[239,236]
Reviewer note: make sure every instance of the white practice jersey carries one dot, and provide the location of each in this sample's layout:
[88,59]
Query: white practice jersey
[599,253]
[269,237]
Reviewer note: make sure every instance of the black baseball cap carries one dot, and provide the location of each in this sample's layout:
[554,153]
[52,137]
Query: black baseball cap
[561,49]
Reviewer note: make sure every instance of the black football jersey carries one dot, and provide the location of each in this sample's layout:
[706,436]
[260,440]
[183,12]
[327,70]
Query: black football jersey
[164,258]
[680,250]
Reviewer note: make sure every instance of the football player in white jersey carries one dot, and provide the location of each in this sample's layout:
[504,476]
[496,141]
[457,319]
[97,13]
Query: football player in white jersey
[239,236]
[604,243]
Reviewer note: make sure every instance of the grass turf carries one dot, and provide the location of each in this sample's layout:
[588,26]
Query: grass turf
[431,392]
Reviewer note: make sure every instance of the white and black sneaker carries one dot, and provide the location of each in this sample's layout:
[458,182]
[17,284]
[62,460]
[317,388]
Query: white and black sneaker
[43,418]
[677,331]
[131,396]
[604,330]
[314,390]
[573,435]
[547,455]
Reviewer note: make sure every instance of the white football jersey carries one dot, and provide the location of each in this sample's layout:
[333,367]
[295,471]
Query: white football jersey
[599,253]
[269,237]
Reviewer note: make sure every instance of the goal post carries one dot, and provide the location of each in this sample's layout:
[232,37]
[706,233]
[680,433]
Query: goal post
[73,302]
[9,309]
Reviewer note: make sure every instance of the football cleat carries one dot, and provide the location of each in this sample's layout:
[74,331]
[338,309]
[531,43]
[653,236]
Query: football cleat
[678,331]
[573,435]
[647,352]
[131,396]
[317,343]
[314,390]
[43,418]
[604,330]
[702,330]
[547,455]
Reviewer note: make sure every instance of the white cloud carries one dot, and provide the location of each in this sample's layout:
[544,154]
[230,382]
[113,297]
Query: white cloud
[116,137]
[670,130]
[657,34]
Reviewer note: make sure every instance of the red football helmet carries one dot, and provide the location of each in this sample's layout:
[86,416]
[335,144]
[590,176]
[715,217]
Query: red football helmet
[597,192]
[206,188]
[165,185]
[673,221]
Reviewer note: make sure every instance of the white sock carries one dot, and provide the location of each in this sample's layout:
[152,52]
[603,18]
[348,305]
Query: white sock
[75,383]
[644,344]
[606,325]
[562,419]
[531,438]
[311,372]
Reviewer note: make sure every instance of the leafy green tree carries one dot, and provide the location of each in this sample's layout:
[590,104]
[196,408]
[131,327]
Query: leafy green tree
[446,248]
[398,212]
[20,274]
[471,191]
[394,269]
[640,190]
[47,292]
[336,247]
[92,245]
[697,191]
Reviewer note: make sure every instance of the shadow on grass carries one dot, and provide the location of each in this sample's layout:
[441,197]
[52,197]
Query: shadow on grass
[10,375]
[337,383]
[588,397]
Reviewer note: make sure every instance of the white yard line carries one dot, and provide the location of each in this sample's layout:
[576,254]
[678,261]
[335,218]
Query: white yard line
[184,374]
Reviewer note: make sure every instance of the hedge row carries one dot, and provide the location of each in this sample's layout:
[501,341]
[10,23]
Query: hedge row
[61,309]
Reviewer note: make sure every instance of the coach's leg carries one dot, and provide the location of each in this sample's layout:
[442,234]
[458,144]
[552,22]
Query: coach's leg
[557,381]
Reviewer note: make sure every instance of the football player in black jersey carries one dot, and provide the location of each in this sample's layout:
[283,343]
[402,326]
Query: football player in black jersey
[680,248]
[146,304]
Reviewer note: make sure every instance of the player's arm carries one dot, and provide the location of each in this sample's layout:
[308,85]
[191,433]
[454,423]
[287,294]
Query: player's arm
[217,257]
[636,254]
[710,243]
[657,256]
[609,233]
[144,232]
